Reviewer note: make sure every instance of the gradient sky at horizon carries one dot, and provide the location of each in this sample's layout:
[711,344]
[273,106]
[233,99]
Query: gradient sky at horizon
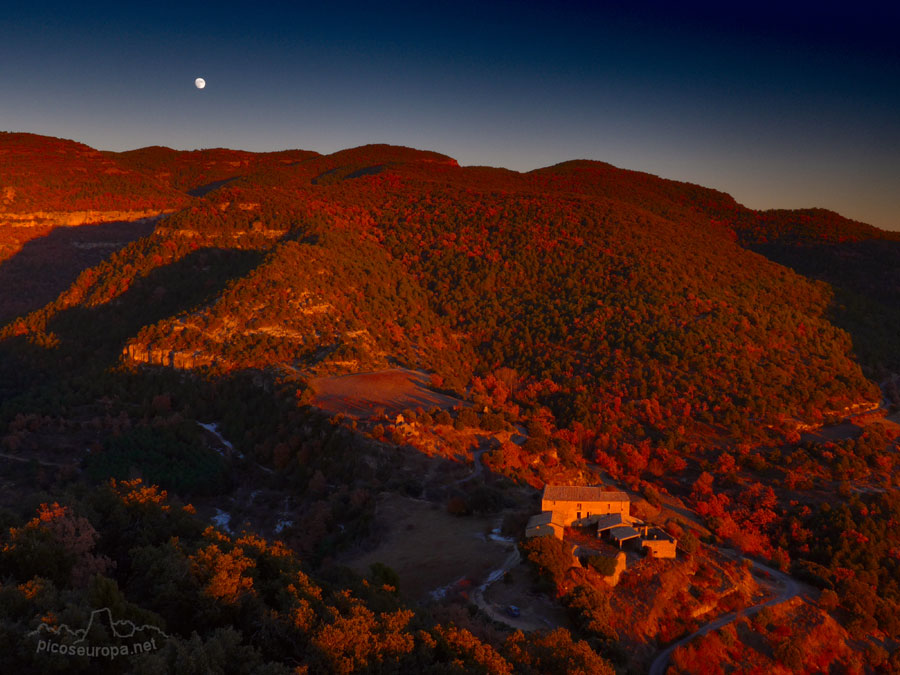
[782,105]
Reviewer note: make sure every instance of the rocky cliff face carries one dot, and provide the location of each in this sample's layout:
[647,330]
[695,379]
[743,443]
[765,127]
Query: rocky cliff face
[73,218]
[137,353]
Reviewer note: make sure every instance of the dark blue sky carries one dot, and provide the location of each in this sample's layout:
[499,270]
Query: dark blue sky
[781,107]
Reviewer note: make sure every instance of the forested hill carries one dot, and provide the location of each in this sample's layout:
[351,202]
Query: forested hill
[860,262]
[578,324]
[42,174]
[621,304]
[198,170]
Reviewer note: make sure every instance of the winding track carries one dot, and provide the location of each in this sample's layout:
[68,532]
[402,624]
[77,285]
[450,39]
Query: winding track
[789,589]
[477,597]
[477,468]
[42,462]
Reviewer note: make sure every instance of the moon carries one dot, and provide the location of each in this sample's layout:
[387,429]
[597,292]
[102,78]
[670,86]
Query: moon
[199,83]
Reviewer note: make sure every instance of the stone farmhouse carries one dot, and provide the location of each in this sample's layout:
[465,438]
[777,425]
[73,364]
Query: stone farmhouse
[583,505]
[609,510]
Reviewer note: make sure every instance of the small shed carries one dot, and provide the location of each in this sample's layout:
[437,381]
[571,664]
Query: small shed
[658,543]
[543,525]
[622,533]
[611,520]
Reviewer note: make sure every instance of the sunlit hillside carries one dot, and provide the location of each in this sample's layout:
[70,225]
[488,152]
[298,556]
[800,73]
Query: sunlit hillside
[332,358]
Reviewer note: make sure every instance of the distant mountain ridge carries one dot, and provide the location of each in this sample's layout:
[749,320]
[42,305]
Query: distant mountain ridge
[594,284]
[43,174]
[156,174]
[188,170]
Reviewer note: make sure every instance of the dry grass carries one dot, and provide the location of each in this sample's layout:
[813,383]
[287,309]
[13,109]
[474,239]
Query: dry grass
[428,547]
[365,395]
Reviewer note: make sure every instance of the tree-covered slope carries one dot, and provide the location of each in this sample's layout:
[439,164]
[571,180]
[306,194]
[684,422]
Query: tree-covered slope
[195,171]
[594,326]
[617,305]
[43,174]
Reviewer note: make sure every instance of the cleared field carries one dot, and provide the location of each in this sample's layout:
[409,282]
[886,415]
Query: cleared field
[429,548]
[391,391]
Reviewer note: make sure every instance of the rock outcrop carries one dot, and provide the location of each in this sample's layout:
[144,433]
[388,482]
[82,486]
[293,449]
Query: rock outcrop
[73,218]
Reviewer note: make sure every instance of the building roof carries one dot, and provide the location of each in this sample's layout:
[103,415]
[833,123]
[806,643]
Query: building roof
[543,518]
[610,520]
[577,493]
[623,533]
[657,534]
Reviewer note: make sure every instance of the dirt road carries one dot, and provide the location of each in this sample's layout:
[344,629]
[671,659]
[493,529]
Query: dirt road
[787,589]
[16,458]
[477,468]
[477,597]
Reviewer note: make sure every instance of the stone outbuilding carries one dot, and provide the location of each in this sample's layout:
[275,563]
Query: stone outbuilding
[543,525]
[654,541]
[622,533]
[658,543]
[611,520]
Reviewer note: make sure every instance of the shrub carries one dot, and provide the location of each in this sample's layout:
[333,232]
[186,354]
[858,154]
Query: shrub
[551,557]
[651,494]
[465,419]
[590,610]
[443,417]
[763,618]
[603,564]
[493,422]
[689,542]
[535,446]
